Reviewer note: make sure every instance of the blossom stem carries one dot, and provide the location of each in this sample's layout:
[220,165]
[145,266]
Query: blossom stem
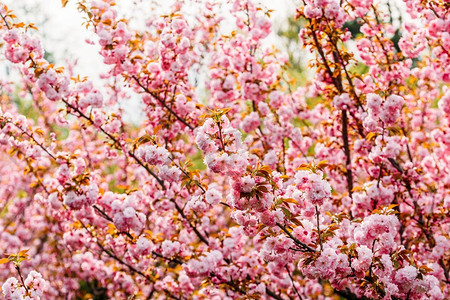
[221,136]
[21,279]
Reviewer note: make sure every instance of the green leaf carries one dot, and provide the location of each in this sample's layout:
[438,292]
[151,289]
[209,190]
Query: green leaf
[286,212]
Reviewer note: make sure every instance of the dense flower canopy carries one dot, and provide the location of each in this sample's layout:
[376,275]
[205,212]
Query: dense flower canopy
[252,187]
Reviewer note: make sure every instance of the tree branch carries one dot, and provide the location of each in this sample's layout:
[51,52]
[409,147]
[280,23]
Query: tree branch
[297,241]
[163,103]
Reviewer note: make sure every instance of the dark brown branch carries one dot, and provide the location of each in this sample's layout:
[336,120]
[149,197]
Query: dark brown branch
[347,294]
[172,260]
[340,89]
[273,295]
[107,217]
[118,259]
[180,211]
[188,176]
[324,60]
[348,173]
[442,264]
[297,241]
[101,212]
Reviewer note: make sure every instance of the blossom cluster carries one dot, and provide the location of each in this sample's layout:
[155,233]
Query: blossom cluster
[239,181]
[32,288]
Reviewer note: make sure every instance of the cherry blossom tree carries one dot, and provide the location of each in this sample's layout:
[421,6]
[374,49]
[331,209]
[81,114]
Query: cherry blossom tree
[256,187]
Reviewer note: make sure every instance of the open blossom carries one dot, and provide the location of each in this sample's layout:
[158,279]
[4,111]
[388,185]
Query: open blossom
[276,99]
[342,101]
[125,215]
[406,276]
[54,85]
[171,174]
[12,290]
[312,12]
[144,246]
[364,260]
[381,228]
[391,109]
[318,190]
[233,164]
[325,266]
[444,105]
[170,248]
[34,287]
[374,104]
[212,138]
[37,284]
[20,46]
[304,232]
[73,200]
[94,99]
[314,187]
[250,122]
[205,264]
[205,137]
[387,111]
[247,183]
[198,203]
[153,155]
[213,196]
[271,159]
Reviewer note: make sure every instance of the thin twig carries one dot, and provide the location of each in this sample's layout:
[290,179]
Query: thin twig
[6,22]
[34,140]
[180,211]
[297,241]
[293,283]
